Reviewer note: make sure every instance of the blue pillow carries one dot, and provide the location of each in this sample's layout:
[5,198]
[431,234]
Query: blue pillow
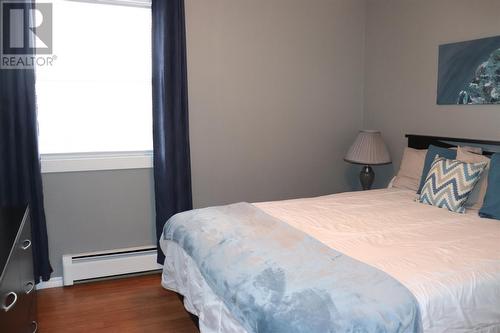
[491,204]
[432,152]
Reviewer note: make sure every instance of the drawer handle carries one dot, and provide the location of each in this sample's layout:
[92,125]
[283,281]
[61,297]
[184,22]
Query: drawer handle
[29,287]
[35,326]
[6,307]
[26,244]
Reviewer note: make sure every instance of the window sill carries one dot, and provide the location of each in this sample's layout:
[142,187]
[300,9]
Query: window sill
[54,163]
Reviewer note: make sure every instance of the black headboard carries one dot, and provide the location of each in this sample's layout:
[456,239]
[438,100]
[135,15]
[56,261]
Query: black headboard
[423,142]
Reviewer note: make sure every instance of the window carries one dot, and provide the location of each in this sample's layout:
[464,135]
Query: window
[96,97]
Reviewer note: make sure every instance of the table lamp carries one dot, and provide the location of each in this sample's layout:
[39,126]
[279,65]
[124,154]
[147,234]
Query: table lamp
[368,149]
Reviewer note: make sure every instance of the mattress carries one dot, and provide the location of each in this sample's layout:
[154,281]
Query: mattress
[449,261]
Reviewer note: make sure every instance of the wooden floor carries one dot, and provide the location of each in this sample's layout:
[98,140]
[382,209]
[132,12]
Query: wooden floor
[136,304]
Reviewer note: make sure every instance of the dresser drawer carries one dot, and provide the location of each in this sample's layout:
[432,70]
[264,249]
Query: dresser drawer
[24,259]
[32,320]
[11,316]
[17,288]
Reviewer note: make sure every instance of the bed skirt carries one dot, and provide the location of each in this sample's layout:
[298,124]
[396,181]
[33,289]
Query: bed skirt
[181,275]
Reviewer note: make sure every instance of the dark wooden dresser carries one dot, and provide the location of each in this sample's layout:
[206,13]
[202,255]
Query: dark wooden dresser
[17,287]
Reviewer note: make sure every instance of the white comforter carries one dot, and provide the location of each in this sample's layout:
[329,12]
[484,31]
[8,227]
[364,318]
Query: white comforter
[449,261]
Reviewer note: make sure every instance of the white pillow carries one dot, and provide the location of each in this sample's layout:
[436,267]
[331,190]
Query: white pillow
[476,198]
[410,171]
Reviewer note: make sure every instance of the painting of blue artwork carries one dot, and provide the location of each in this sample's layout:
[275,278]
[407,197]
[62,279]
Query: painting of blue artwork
[469,72]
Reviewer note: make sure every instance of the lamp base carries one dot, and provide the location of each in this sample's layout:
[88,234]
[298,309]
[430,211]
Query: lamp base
[366,177]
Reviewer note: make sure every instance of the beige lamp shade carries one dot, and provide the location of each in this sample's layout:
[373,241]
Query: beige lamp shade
[368,149]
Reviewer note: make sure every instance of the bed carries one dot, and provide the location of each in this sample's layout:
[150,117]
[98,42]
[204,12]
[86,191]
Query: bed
[449,262]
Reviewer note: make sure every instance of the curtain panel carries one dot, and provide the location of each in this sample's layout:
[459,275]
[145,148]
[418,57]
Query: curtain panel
[20,175]
[171,157]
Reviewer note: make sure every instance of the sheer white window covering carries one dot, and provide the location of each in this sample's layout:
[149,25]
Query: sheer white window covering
[97,95]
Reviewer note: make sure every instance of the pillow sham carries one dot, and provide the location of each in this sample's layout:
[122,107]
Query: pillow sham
[449,183]
[475,150]
[476,198]
[411,169]
[491,205]
[432,152]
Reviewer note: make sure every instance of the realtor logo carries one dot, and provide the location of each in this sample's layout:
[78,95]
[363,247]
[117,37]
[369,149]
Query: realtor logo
[26,34]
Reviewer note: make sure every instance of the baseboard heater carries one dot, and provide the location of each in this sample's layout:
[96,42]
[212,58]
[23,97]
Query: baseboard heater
[93,265]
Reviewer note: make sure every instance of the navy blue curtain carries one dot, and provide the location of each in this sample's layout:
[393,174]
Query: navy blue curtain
[172,171]
[20,177]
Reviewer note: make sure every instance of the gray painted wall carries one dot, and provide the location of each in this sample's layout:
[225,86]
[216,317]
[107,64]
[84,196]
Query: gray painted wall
[402,39]
[276,98]
[97,210]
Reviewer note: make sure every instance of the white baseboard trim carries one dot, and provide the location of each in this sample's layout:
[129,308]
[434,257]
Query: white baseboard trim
[55,282]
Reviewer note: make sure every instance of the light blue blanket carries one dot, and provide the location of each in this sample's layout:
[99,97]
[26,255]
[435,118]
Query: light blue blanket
[276,279]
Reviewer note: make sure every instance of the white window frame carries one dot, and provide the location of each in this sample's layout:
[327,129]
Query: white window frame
[130,3]
[56,163]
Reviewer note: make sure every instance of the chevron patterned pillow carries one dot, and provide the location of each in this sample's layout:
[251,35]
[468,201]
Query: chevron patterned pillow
[449,183]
